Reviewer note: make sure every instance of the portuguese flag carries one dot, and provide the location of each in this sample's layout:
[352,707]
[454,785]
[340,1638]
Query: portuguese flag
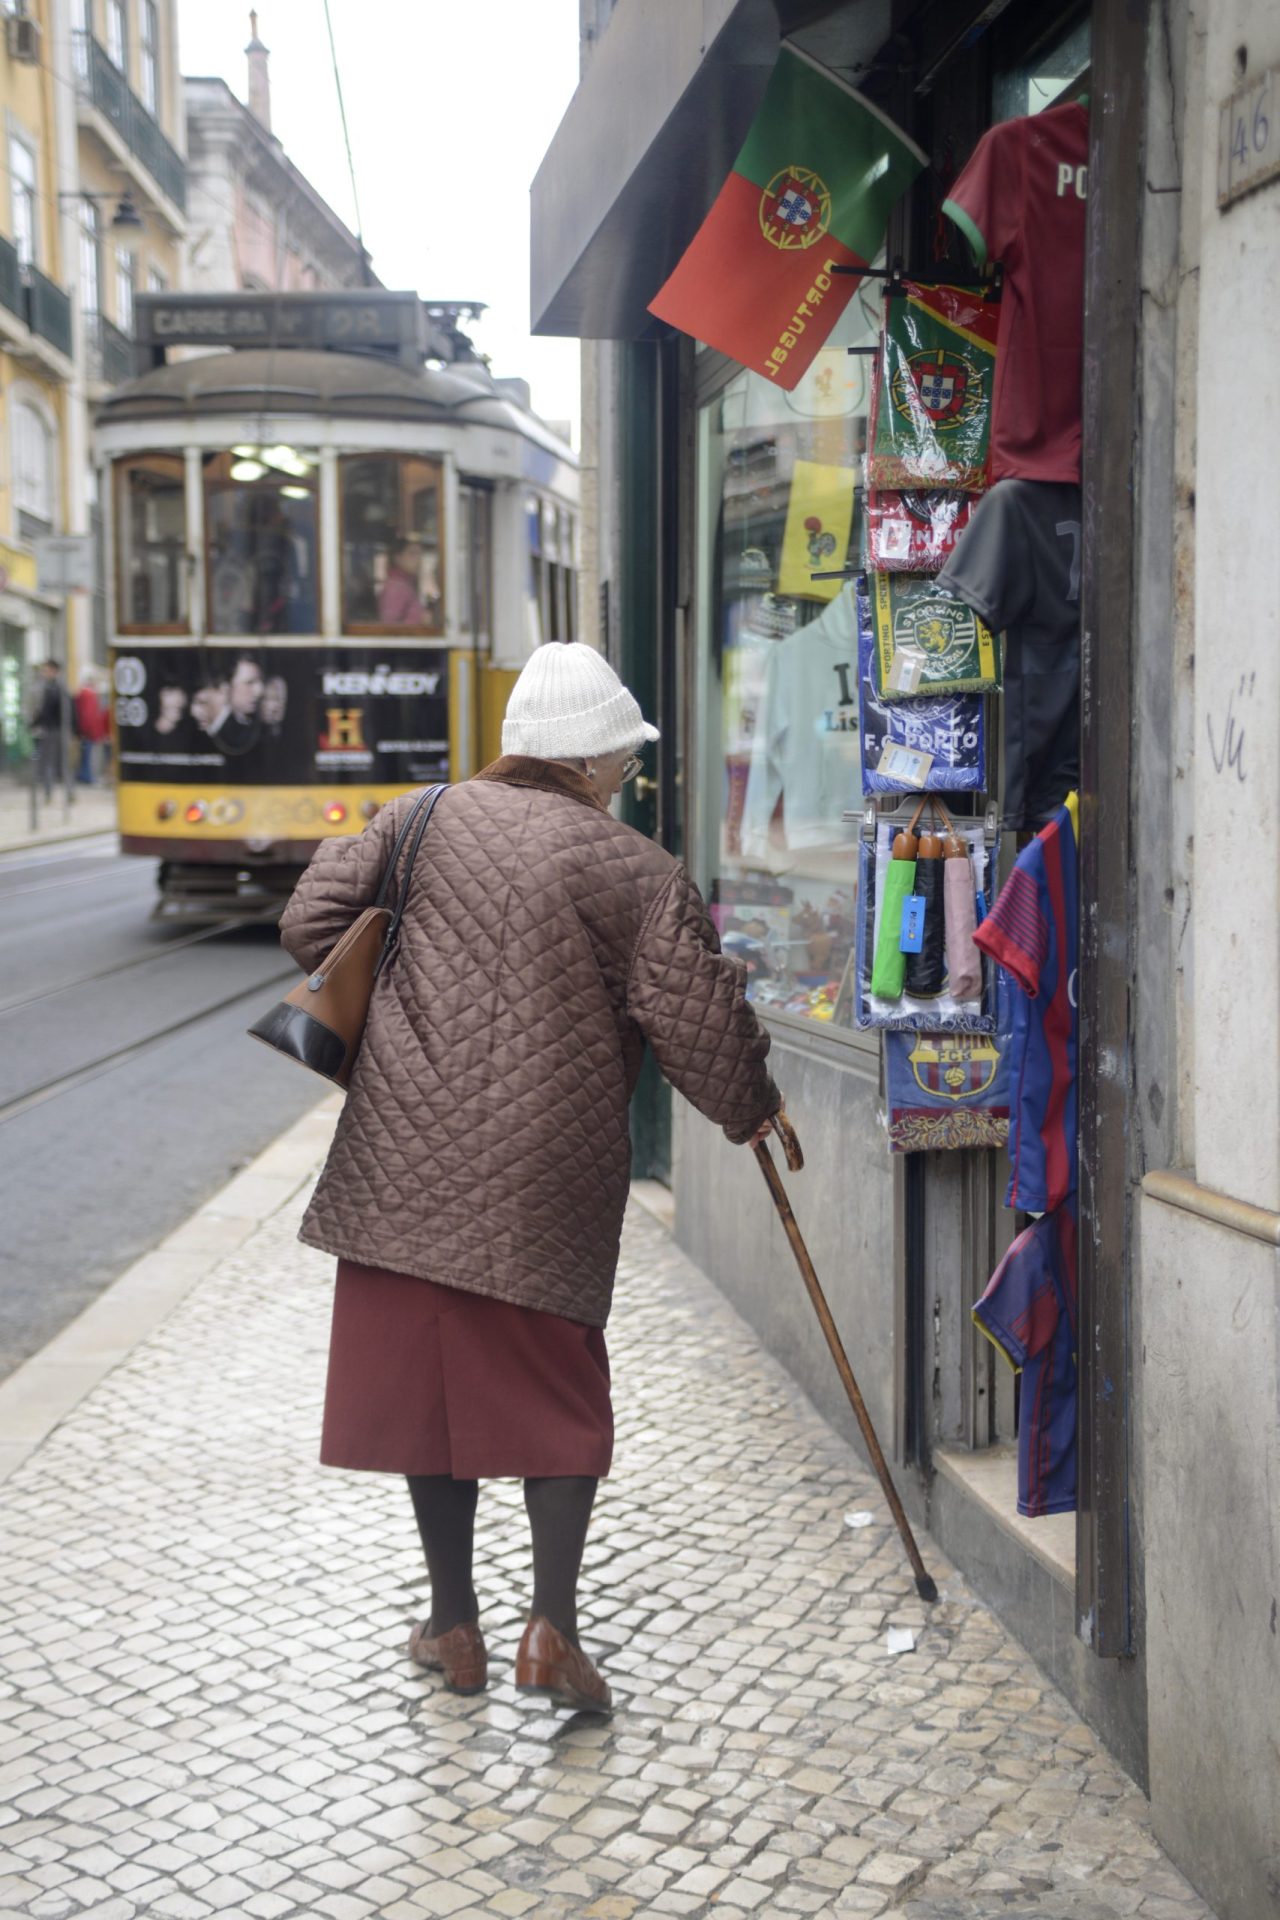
[811,189]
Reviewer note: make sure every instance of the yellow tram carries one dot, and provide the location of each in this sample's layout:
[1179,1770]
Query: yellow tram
[335,538]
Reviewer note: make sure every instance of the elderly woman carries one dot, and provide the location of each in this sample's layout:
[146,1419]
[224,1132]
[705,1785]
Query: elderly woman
[475,1188]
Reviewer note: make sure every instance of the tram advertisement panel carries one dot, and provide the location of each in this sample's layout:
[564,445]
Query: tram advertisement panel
[283,716]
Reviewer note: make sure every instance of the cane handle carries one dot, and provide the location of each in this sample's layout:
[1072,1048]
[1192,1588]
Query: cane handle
[790,1141]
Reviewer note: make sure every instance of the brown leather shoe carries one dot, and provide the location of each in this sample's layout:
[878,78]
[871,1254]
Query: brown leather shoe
[459,1655]
[548,1663]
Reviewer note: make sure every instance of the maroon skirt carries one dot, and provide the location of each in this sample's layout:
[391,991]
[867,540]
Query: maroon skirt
[428,1379]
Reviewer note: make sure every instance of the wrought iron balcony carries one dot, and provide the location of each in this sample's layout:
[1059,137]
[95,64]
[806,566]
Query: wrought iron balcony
[102,84]
[13,294]
[48,310]
[110,351]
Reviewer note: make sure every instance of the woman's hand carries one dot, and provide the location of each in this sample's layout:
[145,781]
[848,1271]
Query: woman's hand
[761,1133]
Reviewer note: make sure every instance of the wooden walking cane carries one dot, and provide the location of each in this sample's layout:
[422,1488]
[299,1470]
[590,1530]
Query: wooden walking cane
[925,1586]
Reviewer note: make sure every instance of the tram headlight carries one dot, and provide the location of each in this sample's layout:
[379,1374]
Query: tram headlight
[166,810]
[195,813]
[370,809]
[335,813]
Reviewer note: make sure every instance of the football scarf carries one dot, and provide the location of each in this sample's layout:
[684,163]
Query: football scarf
[945,1090]
[949,731]
[916,531]
[927,641]
[931,408]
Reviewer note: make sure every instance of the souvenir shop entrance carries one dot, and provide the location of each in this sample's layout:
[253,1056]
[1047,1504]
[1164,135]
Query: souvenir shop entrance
[940,657]
[968,596]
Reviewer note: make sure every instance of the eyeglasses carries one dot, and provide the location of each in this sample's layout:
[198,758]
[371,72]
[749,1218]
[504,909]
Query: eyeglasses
[630,768]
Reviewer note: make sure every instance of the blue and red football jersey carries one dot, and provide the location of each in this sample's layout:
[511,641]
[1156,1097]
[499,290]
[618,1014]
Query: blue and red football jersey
[1032,932]
[1029,1310]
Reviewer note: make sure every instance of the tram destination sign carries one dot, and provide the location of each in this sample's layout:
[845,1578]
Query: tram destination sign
[377,320]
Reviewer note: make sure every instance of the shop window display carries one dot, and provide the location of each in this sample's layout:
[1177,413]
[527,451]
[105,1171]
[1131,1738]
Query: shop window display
[780,501]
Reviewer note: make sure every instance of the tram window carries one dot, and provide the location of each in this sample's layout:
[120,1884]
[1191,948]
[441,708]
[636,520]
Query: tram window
[391,550]
[260,533]
[473,590]
[561,590]
[151,546]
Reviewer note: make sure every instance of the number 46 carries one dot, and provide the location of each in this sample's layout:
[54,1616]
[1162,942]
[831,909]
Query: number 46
[1261,131]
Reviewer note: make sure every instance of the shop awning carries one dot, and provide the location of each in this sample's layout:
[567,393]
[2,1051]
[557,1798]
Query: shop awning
[647,141]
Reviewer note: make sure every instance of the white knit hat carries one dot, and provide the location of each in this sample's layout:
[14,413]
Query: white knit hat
[569,704]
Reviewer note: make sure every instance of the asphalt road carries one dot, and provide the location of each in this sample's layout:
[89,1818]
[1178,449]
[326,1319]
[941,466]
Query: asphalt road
[129,1091]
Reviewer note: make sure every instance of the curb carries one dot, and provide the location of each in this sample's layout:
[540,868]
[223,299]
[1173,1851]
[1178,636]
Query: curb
[91,814]
[54,836]
[39,1394]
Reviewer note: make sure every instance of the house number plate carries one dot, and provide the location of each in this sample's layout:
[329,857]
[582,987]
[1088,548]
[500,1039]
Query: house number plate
[1249,138]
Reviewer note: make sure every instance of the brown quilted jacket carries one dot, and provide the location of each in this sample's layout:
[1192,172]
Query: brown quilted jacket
[484,1142]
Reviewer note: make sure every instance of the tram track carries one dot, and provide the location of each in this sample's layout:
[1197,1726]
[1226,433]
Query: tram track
[129,1089]
[123,966]
[119,1056]
[89,846]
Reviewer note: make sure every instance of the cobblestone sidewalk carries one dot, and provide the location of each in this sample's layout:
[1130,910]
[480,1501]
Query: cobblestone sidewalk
[205,1707]
[89,810]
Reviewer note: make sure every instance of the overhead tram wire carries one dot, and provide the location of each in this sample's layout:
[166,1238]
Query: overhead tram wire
[346,136]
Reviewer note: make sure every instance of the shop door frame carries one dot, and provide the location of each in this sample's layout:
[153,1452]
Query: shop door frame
[1109,1172]
[643,643]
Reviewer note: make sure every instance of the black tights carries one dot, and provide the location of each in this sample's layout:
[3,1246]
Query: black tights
[559,1512]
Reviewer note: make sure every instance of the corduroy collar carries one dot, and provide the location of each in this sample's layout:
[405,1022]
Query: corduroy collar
[546,776]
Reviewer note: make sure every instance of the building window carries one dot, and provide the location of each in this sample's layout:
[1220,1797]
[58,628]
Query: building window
[157,282]
[33,488]
[90,259]
[778,501]
[116,43]
[151,574]
[22,193]
[261,541]
[148,55]
[391,551]
[124,290]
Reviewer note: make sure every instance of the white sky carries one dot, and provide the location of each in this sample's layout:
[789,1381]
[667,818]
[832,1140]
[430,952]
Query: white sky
[451,108]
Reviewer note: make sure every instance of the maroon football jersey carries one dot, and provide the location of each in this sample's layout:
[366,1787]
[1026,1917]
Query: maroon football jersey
[1021,200]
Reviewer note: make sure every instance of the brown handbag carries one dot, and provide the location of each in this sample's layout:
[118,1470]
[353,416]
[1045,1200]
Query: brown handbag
[320,1024]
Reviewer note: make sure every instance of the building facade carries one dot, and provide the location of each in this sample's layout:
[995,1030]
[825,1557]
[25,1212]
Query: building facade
[94,212]
[1153,1603]
[257,223]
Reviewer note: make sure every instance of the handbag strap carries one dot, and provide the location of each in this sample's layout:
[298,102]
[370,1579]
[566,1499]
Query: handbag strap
[389,871]
[421,814]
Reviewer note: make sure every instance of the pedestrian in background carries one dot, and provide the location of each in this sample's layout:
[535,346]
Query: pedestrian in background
[475,1188]
[92,725]
[50,716]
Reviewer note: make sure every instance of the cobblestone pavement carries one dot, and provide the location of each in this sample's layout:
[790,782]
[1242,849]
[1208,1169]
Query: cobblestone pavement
[206,1708]
[89,810]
